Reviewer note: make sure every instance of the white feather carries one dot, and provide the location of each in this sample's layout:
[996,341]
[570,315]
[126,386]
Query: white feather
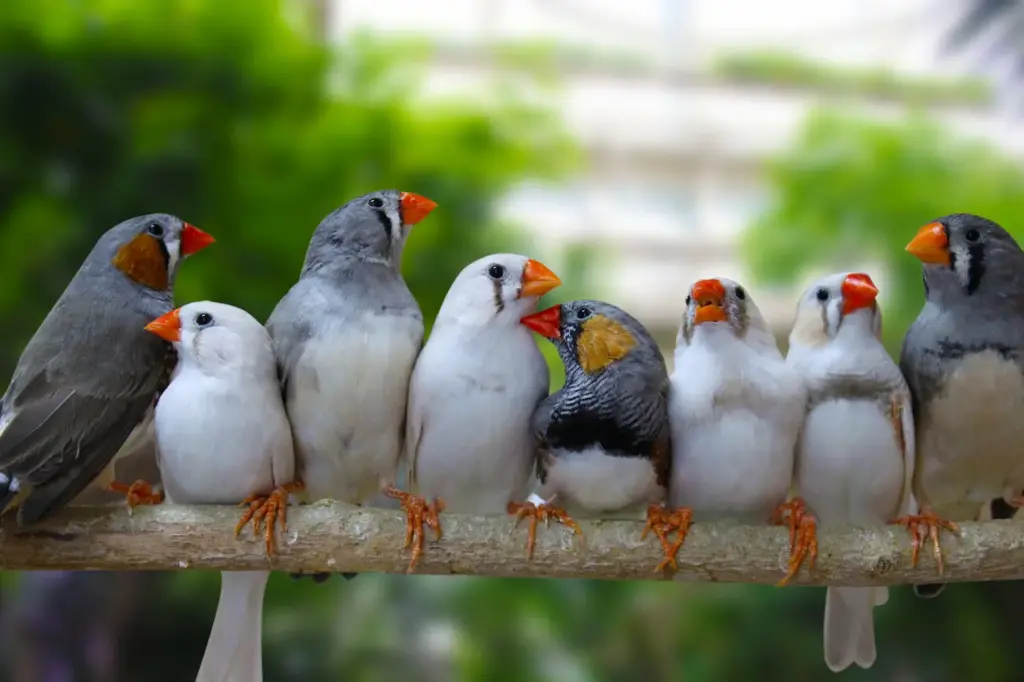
[735,408]
[473,392]
[222,434]
[853,464]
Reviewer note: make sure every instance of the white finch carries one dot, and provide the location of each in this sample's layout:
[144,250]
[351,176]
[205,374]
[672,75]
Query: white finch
[735,409]
[474,389]
[222,434]
[856,457]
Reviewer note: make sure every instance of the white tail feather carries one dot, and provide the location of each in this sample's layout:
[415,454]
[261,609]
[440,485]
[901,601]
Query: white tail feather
[234,652]
[850,625]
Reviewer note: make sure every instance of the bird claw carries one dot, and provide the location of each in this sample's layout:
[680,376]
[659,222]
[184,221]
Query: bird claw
[803,535]
[270,509]
[661,522]
[138,493]
[419,513]
[926,525]
[540,512]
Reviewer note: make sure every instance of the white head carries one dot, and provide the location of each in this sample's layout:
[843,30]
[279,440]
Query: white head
[719,309]
[217,338]
[502,287]
[840,305]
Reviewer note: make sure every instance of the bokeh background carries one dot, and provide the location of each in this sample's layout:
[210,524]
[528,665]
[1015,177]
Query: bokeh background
[633,147]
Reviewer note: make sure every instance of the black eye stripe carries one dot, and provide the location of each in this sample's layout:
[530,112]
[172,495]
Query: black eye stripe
[385,222]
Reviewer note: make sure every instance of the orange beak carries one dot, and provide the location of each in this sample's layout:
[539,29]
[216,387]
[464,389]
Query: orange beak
[415,208]
[193,239]
[547,323]
[709,295]
[537,279]
[167,327]
[858,292]
[931,245]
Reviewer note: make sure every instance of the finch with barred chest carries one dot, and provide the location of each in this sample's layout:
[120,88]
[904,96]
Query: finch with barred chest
[604,447]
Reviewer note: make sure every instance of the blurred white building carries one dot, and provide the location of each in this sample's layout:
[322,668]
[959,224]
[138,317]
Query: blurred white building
[673,153]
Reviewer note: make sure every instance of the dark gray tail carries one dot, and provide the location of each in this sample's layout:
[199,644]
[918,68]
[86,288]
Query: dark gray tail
[320,577]
[929,591]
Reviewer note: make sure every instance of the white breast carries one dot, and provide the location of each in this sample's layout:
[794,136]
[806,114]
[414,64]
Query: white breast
[471,401]
[598,484]
[735,422]
[850,467]
[972,448]
[218,439]
[348,405]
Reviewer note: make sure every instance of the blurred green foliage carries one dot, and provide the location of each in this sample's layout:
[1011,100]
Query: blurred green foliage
[853,190]
[783,69]
[233,116]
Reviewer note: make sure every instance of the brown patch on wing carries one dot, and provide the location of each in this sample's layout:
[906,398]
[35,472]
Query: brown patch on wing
[661,458]
[602,342]
[143,261]
[896,419]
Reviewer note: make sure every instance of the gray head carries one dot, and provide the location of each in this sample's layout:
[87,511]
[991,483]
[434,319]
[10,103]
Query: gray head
[599,339]
[369,229]
[843,302]
[966,255]
[147,249]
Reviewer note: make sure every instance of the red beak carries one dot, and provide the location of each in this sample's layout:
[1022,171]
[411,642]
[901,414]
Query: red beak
[167,327]
[415,208]
[193,239]
[547,323]
[858,292]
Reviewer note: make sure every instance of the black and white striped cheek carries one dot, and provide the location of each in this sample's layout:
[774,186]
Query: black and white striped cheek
[968,263]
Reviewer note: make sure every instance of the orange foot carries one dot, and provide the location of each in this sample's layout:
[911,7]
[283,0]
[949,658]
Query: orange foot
[419,513]
[137,493]
[540,512]
[926,524]
[270,508]
[662,522]
[803,535]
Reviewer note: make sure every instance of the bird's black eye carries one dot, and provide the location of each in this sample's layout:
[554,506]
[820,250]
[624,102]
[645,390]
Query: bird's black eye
[204,320]
[972,235]
[740,294]
[155,229]
[496,271]
[376,202]
[688,300]
[582,313]
[822,294]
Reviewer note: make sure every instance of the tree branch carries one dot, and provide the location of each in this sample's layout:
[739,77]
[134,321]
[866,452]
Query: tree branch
[330,536]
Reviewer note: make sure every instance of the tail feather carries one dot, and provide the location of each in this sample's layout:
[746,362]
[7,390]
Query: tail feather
[234,650]
[850,626]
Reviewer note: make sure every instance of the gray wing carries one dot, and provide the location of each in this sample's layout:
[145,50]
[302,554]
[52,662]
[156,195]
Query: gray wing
[289,330]
[61,436]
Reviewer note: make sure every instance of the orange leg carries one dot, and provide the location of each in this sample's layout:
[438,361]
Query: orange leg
[137,493]
[419,513]
[926,525]
[540,512]
[662,522]
[269,508]
[803,535]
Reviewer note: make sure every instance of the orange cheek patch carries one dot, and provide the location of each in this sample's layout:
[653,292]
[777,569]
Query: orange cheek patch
[602,342]
[142,260]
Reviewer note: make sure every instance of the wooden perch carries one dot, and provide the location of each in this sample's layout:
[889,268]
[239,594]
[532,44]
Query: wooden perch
[336,537]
